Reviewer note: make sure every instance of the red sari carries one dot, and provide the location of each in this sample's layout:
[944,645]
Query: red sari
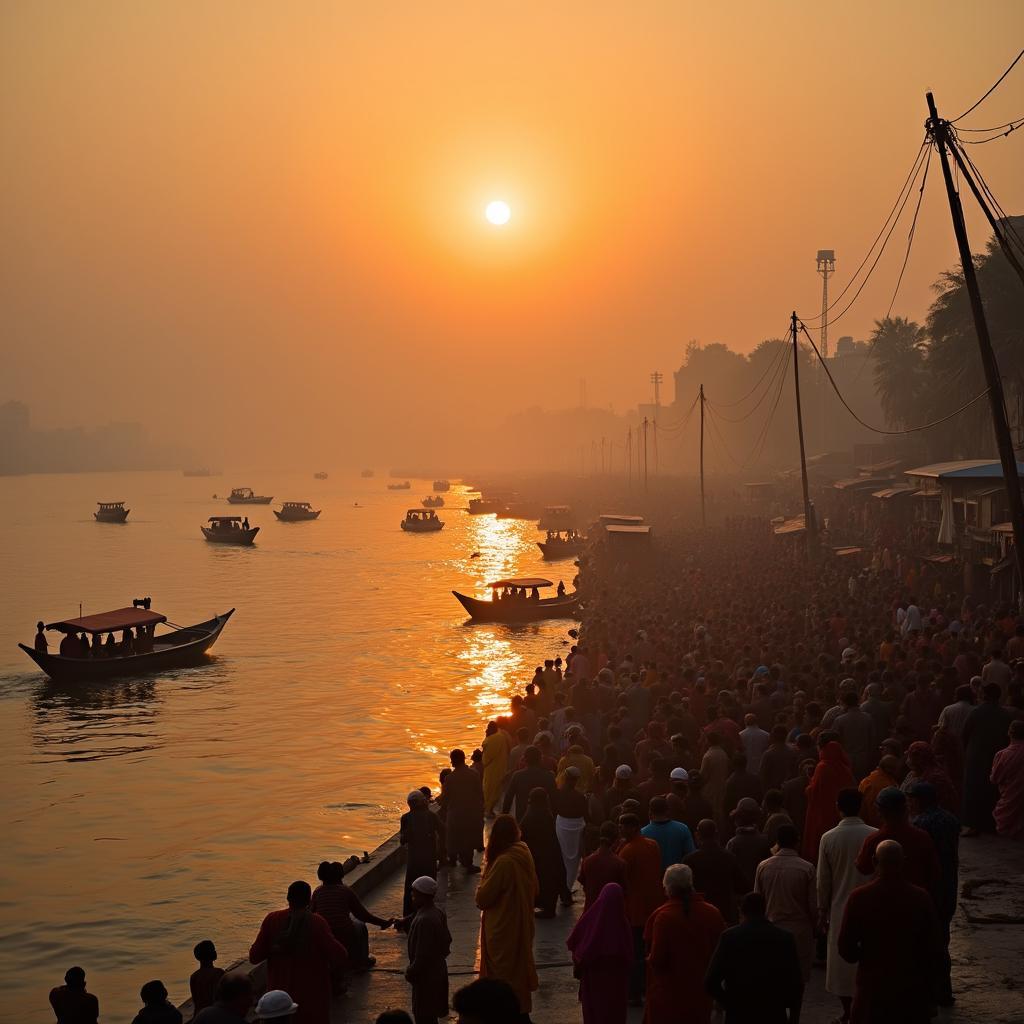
[602,952]
[830,776]
[303,971]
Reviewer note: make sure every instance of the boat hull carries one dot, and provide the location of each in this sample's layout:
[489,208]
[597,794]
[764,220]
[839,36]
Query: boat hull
[241,538]
[519,611]
[187,647]
[555,552]
[258,499]
[421,528]
[303,517]
[112,517]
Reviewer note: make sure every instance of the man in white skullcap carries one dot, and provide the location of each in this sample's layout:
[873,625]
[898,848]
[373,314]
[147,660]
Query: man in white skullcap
[430,942]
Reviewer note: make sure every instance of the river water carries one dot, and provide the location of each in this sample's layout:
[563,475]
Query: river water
[141,816]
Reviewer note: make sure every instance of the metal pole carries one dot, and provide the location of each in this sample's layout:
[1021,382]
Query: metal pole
[940,134]
[703,510]
[629,458]
[645,454]
[808,511]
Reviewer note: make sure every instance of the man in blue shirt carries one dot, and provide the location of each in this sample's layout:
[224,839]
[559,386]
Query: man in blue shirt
[673,837]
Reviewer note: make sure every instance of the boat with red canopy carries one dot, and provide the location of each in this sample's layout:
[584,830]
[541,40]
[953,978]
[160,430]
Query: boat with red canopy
[139,650]
[518,600]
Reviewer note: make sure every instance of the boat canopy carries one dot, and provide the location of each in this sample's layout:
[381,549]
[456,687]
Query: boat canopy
[110,504]
[107,622]
[295,504]
[225,519]
[242,492]
[609,519]
[636,531]
[522,581]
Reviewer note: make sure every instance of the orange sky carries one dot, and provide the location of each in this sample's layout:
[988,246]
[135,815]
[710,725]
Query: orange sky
[265,222]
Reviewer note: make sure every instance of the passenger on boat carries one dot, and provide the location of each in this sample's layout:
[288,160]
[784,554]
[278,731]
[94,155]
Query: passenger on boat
[535,595]
[84,642]
[70,647]
[127,643]
[561,589]
[40,641]
[110,646]
[245,523]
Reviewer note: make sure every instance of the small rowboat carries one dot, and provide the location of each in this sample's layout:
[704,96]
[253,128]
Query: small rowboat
[442,485]
[519,609]
[184,646]
[320,476]
[433,501]
[228,530]
[111,512]
[404,486]
[419,520]
[245,496]
[296,512]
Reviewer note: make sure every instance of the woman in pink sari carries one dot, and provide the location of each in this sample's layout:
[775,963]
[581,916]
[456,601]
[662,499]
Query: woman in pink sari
[1008,778]
[602,952]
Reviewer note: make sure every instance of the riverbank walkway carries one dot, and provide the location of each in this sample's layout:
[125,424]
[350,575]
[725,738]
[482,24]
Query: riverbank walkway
[987,948]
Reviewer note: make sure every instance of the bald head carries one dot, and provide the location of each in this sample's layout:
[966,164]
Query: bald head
[889,857]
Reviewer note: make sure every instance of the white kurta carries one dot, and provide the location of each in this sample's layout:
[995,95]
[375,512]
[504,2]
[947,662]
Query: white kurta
[837,878]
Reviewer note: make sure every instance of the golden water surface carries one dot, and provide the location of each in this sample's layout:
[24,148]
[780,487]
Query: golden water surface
[140,816]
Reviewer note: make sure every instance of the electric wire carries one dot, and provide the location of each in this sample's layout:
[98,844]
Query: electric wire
[1010,127]
[739,401]
[781,357]
[1006,222]
[910,235]
[994,128]
[880,430]
[995,86]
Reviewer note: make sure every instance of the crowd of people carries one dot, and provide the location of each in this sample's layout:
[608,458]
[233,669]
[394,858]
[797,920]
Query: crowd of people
[749,764]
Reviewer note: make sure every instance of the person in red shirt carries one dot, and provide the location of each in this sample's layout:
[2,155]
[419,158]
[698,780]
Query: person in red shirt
[921,863]
[644,894]
[602,866]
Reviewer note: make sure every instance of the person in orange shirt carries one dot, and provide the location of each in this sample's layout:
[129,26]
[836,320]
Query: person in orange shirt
[644,893]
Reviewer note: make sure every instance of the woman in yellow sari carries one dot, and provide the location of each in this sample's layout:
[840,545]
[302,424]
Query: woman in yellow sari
[495,749]
[506,896]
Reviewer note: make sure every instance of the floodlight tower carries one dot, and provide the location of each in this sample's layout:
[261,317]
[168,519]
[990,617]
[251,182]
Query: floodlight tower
[826,261]
[656,380]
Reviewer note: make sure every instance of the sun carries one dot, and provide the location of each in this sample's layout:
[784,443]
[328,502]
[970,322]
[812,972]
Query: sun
[498,212]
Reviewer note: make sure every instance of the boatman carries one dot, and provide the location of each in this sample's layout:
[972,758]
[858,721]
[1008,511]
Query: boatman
[40,642]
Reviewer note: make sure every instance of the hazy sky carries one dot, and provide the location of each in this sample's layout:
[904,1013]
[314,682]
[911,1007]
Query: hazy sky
[263,222]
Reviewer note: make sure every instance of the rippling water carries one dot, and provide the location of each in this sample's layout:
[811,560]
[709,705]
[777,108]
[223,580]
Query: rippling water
[141,816]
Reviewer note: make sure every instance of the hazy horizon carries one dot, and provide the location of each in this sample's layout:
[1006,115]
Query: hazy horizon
[261,229]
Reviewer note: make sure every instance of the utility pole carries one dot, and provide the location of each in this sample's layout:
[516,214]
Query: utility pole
[656,379]
[826,264]
[645,454]
[703,510]
[654,426]
[602,456]
[809,527]
[940,133]
[629,458]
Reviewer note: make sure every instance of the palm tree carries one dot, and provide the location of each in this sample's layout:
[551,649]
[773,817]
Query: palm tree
[899,349]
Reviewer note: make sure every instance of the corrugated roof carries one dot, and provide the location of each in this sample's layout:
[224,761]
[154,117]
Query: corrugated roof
[964,469]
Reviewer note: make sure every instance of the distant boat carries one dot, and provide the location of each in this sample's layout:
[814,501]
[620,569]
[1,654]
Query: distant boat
[111,512]
[518,609]
[229,530]
[296,512]
[320,476]
[403,486]
[561,546]
[557,517]
[185,646]
[245,496]
[367,473]
[435,501]
[418,520]
[442,485]
[485,506]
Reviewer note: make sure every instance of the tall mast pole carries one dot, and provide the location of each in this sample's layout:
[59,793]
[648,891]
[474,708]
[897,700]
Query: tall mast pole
[940,134]
[809,526]
[629,458]
[645,454]
[703,510]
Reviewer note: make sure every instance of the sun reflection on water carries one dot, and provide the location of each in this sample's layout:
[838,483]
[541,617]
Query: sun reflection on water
[498,668]
[502,544]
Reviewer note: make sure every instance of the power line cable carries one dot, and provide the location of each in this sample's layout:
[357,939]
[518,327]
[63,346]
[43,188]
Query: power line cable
[905,199]
[739,401]
[1011,127]
[994,128]
[879,430]
[1009,229]
[995,86]
[910,235]
[780,358]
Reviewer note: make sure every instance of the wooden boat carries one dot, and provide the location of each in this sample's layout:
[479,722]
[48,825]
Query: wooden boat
[557,517]
[184,646]
[296,512]
[433,501]
[320,476]
[404,486]
[111,512]
[366,474]
[561,545]
[485,506]
[229,530]
[245,496]
[519,609]
[421,520]
[442,485]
